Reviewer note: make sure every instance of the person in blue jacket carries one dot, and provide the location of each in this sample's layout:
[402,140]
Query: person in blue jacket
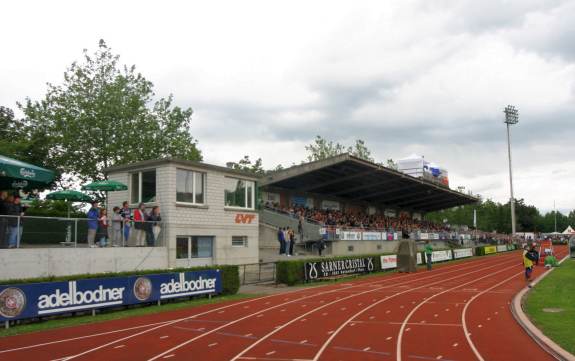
[93,218]
[282,241]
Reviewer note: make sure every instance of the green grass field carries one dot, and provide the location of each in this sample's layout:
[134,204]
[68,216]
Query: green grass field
[114,315]
[555,291]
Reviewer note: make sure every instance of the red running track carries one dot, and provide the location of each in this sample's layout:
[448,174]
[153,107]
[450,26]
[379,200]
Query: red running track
[457,312]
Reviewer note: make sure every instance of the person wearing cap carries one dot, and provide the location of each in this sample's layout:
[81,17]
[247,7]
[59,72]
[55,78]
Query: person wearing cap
[93,218]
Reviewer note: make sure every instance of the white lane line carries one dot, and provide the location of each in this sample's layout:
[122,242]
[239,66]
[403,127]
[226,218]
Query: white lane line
[169,356]
[163,337]
[270,353]
[406,320]
[496,264]
[463,314]
[212,344]
[120,346]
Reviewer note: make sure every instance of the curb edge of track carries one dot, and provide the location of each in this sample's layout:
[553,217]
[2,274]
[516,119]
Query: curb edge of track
[545,342]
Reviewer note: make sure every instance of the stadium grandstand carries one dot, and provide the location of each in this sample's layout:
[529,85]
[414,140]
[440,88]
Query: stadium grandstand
[348,199]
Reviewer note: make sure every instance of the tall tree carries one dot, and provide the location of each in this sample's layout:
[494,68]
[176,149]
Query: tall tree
[245,164]
[322,148]
[104,114]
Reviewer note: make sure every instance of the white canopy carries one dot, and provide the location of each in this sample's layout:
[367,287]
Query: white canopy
[569,230]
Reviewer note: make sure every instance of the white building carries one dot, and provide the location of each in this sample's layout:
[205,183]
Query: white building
[209,212]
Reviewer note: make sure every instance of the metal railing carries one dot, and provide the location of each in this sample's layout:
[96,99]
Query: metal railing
[32,231]
[257,273]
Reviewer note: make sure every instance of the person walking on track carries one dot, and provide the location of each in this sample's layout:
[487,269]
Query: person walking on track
[428,252]
[529,257]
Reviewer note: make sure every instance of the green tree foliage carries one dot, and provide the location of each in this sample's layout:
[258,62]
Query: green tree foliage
[322,149]
[492,216]
[104,114]
[246,165]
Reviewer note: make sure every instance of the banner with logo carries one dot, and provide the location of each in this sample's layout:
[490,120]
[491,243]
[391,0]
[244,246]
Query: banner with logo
[502,248]
[50,298]
[338,267]
[439,256]
[462,253]
[350,236]
[389,261]
[490,249]
[371,236]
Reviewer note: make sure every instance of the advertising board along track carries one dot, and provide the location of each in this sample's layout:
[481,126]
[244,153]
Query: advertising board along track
[338,267]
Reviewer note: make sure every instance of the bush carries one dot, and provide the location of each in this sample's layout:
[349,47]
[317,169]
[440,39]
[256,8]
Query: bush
[230,277]
[293,272]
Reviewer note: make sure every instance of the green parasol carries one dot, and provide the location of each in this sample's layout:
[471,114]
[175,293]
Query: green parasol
[17,174]
[69,196]
[105,185]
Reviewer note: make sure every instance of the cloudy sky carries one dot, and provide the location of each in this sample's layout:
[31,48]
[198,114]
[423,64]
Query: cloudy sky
[265,77]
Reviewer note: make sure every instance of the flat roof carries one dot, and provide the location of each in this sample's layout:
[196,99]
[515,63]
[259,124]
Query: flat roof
[181,162]
[357,180]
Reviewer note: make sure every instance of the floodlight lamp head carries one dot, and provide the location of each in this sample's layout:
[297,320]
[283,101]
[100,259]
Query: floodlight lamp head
[511,115]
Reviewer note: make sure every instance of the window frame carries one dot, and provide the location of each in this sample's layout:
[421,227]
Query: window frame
[189,252]
[253,195]
[244,242]
[139,174]
[204,181]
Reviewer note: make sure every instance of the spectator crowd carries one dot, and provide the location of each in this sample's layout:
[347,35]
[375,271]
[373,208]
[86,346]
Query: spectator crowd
[359,220]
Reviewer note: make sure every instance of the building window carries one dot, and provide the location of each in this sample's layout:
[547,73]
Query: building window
[239,193]
[143,187]
[194,247]
[190,186]
[239,241]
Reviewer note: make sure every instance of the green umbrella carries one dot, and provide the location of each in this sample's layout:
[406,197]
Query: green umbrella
[105,185]
[17,174]
[69,196]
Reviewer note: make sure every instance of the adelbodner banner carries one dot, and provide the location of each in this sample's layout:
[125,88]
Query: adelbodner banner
[331,268]
[50,298]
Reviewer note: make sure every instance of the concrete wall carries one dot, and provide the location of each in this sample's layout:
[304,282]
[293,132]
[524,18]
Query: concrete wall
[210,219]
[341,248]
[44,262]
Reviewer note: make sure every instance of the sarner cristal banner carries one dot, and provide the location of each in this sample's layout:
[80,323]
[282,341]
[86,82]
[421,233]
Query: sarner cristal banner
[50,298]
[331,268]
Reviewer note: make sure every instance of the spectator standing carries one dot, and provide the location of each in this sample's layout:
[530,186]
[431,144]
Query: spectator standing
[300,228]
[14,222]
[140,225]
[428,254]
[281,240]
[153,226]
[287,232]
[117,227]
[291,241]
[93,218]
[126,214]
[102,228]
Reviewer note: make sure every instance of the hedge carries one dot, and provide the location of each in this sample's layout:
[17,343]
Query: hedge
[230,276]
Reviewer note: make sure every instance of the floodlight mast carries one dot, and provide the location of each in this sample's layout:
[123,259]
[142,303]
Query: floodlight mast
[511,117]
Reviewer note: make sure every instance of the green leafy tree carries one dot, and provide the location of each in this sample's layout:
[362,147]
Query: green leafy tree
[246,165]
[322,149]
[104,114]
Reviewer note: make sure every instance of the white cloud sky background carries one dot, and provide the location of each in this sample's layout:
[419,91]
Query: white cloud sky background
[426,77]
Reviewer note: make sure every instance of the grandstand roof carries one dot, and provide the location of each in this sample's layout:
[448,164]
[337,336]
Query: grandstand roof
[350,178]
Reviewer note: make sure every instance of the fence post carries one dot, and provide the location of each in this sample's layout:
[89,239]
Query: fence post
[75,232]
[18,233]
[260,271]
[244,276]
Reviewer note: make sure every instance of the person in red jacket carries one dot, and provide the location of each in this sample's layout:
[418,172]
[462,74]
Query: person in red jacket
[139,225]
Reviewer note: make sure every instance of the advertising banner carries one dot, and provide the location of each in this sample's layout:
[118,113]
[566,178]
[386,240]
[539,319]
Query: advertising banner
[49,298]
[490,249]
[419,258]
[438,256]
[351,236]
[462,253]
[371,236]
[331,268]
[502,248]
[424,236]
[389,261]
